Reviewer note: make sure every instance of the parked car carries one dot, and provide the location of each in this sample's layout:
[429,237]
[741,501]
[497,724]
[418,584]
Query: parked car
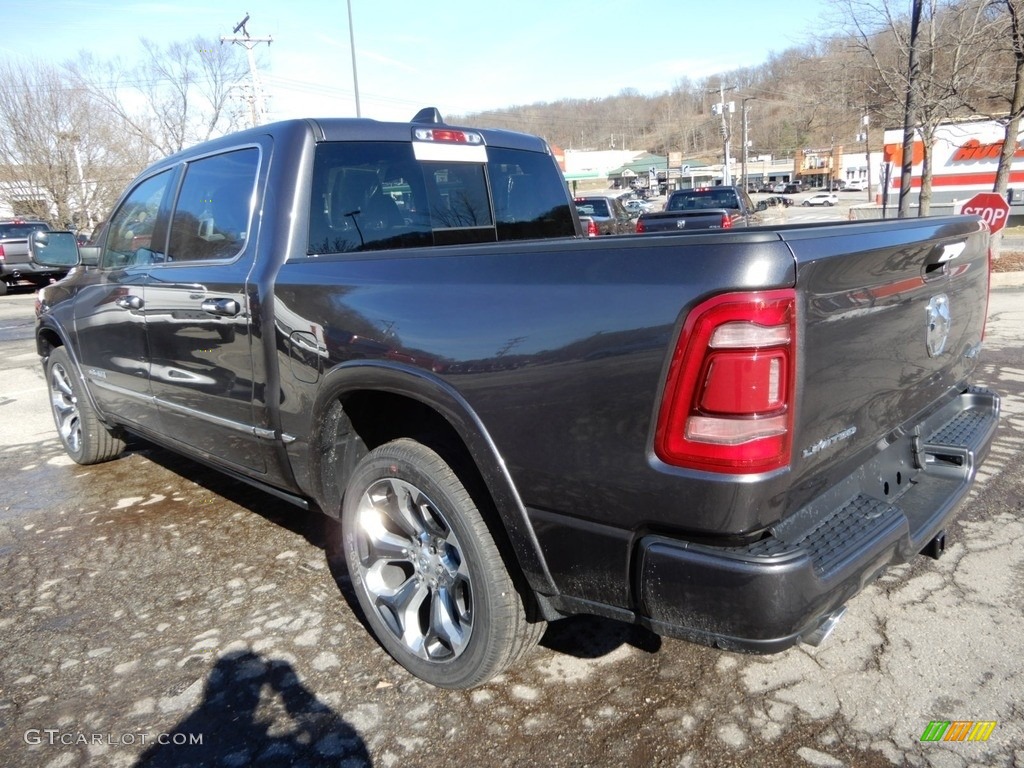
[855,186]
[607,213]
[636,207]
[827,199]
[703,208]
[777,200]
[792,189]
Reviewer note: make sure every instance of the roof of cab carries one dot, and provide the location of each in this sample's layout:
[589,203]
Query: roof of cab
[355,129]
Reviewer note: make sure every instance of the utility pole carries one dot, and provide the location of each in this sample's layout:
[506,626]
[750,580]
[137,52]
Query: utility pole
[866,121]
[743,111]
[257,106]
[720,109]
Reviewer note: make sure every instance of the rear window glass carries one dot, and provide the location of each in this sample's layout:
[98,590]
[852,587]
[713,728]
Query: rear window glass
[594,207]
[21,230]
[703,199]
[376,195]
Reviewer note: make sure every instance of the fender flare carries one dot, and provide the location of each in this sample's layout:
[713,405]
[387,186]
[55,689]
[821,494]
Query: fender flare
[441,397]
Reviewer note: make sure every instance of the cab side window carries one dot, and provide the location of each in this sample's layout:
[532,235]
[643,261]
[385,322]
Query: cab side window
[212,216]
[136,235]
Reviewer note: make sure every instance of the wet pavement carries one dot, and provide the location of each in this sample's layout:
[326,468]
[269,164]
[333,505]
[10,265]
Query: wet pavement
[157,613]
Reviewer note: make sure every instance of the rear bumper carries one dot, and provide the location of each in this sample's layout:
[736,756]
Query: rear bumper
[771,594]
[26,270]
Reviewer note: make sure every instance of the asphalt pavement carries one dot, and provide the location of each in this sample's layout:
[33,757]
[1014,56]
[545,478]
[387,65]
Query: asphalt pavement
[157,613]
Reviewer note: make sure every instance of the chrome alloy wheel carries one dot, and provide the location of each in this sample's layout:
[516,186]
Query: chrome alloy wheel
[413,569]
[65,408]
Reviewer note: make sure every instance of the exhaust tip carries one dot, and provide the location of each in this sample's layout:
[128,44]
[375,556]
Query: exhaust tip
[822,632]
[936,547]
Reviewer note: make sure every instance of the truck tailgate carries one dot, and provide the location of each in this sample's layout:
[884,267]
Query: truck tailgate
[891,332]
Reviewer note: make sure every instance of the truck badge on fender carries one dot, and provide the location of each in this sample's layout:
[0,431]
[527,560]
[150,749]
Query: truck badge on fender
[939,321]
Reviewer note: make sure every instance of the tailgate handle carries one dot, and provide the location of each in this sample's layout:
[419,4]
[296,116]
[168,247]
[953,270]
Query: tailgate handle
[941,255]
[226,307]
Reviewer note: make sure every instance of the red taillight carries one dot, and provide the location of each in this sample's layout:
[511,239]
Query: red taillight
[728,401]
[592,230]
[726,221]
[640,228]
[1,252]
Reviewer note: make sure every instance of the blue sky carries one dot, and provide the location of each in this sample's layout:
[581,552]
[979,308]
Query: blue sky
[460,57]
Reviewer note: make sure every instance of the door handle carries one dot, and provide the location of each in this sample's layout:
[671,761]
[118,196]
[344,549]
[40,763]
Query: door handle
[129,302]
[225,307]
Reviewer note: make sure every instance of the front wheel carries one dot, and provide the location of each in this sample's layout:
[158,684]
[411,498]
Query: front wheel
[85,438]
[427,571]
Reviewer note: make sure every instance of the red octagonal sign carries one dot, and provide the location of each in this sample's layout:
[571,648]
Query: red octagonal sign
[991,207]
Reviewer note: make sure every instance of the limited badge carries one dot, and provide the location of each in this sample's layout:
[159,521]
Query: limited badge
[939,321]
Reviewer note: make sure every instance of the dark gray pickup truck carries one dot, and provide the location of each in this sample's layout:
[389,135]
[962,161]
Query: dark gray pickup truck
[721,436]
[703,208]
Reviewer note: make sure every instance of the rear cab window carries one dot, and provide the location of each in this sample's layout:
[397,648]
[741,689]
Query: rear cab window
[19,229]
[369,195]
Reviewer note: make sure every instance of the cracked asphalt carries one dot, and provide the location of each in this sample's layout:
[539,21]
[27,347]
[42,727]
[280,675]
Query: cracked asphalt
[154,612]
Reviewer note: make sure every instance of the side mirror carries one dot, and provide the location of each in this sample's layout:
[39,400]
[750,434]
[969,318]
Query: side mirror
[90,255]
[54,249]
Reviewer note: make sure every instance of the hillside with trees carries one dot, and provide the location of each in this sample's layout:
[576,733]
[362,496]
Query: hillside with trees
[815,95]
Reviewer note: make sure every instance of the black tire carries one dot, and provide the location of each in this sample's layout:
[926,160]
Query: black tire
[427,571]
[85,438]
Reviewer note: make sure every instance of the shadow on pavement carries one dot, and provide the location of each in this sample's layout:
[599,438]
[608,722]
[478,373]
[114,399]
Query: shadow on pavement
[244,694]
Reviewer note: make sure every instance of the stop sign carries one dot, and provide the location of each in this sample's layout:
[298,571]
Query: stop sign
[991,207]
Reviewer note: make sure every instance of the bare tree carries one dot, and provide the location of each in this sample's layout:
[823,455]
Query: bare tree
[1014,25]
[180,95]
[927,64]
[58,159]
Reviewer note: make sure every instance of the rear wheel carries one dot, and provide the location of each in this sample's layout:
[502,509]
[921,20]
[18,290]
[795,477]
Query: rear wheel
[85,438]
[427,571]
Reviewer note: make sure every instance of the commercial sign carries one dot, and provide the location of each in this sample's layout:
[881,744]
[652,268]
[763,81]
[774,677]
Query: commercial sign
[964,158]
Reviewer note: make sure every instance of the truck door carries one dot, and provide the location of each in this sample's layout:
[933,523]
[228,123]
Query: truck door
[199,317]
[110,311]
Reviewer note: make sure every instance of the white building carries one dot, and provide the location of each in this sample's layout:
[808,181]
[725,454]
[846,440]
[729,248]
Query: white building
[965,158]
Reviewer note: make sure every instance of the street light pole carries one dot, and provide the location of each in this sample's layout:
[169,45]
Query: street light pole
[352,40]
